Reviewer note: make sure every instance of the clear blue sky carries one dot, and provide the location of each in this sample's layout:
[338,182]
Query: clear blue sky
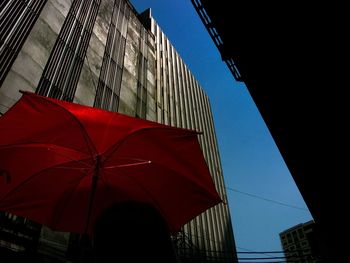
[250,158]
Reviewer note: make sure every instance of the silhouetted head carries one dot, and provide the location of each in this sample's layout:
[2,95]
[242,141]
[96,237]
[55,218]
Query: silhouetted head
[132,232]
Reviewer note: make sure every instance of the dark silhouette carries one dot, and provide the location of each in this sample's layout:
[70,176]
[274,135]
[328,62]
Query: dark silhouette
[289,80]
[132,232]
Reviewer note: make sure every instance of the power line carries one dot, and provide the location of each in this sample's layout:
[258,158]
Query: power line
[270,252]
[262,258]
[289,259]
[283,261]
[287,255]
[257,252]
[293,257]
[273,261]
[266,199]
[262,252]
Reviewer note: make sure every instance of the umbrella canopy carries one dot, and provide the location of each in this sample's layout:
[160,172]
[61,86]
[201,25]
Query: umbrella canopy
[62,164]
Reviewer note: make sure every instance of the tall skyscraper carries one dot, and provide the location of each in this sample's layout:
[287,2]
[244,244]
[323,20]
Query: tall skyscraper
[102,53]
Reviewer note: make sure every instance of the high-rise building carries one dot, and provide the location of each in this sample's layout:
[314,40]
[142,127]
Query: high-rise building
[103,53]
[300,243]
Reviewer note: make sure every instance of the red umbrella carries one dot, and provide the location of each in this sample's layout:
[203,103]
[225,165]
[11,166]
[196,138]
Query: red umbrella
[62,164]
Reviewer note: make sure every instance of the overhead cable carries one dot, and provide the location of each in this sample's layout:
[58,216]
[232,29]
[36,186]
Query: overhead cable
[266,199]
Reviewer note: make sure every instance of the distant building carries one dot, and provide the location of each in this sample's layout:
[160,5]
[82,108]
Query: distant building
[300,243]
[102,53]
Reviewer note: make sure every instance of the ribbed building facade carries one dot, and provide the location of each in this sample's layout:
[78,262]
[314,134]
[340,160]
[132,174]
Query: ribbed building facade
[102,53]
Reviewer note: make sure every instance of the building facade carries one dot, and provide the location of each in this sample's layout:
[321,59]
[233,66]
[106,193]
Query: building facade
[103,53]
[300,243]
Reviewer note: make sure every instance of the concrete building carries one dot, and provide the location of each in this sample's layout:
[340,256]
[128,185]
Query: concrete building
[300,243]
[102,53]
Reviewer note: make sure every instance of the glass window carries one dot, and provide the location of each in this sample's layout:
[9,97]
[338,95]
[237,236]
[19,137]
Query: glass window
[108,90]
[61,74]
[16,21]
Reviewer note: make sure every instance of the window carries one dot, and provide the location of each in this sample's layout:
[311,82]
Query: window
[62,71]
[141,102]
[295,237]
[16,20]
[108,89]
[301,233]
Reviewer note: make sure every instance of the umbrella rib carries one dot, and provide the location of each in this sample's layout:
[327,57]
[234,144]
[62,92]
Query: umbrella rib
[176,172]
[115,146]
[127,165]
[31,177]
[194,182]
[71,159]
[92,148]
[48,148]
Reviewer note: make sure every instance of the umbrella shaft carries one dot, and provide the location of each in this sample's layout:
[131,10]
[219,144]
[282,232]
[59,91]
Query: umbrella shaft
[93,190]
